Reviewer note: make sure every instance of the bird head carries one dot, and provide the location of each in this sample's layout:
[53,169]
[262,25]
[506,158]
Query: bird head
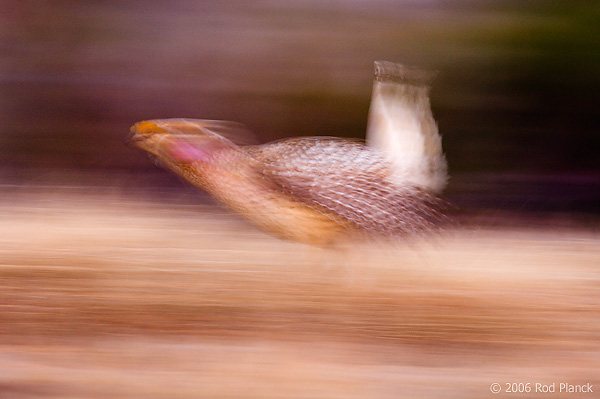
[183,140]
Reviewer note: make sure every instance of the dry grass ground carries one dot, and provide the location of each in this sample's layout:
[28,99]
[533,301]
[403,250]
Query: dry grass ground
[110,296]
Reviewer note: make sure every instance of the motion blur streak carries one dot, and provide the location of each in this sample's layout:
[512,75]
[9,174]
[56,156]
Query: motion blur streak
[107,296]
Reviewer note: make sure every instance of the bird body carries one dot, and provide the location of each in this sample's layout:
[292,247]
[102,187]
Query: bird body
[308,189]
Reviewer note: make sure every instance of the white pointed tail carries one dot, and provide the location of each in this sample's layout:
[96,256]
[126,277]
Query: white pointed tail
[401,125]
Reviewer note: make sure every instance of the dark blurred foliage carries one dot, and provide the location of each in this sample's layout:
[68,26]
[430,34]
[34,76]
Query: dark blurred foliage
[516,92]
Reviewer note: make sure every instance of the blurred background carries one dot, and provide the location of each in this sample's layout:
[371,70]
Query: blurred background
[118,280]
[516,96]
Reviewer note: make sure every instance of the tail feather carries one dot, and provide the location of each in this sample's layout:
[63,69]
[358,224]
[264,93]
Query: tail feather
[401,125]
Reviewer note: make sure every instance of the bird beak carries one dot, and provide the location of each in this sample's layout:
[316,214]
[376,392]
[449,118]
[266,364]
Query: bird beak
[132,137]
[146,136]
[143,131]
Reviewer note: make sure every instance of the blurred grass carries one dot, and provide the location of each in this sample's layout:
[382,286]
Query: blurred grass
[106,295]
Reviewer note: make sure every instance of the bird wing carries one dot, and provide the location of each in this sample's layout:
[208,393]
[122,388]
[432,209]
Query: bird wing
[348,181]
[401,125]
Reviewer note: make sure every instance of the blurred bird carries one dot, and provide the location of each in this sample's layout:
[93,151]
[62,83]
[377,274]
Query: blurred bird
[317,189]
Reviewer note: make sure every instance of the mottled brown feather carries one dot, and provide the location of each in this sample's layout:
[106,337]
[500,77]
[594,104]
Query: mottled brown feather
[350,181]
